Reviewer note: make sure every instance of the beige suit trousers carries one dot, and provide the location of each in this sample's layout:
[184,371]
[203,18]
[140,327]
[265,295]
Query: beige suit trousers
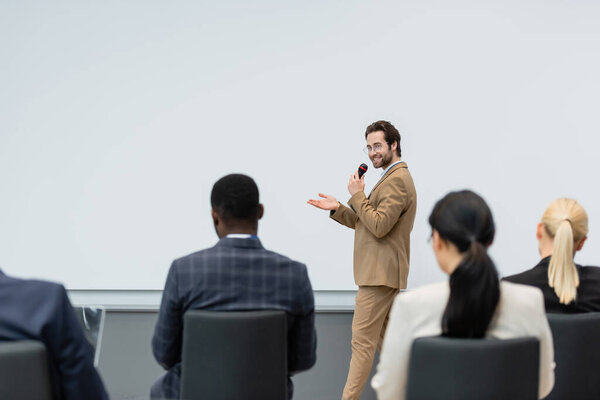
[373,304]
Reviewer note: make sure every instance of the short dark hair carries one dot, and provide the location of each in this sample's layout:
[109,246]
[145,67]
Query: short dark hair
[235,197]
[390,133]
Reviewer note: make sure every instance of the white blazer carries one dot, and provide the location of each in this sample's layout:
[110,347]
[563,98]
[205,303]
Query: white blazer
[418,313]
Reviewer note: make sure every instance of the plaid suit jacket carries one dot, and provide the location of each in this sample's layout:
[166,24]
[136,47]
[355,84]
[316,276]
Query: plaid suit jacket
[236,274]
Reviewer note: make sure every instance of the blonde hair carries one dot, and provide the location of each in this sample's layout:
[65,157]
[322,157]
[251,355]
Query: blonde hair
[566,222]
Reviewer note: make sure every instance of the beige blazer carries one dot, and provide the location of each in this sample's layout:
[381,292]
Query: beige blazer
[382,223]
[418,313]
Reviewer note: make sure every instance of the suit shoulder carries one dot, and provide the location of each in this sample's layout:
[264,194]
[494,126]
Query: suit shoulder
[589,280]
[296,270]
[212,251]
[401,178]
[422,308]
[37,284]
[34,291]
[519,296]
[191,258]
[401,173]
[517,289]
[198,253]
[427,295]
[284,260]
[590,271]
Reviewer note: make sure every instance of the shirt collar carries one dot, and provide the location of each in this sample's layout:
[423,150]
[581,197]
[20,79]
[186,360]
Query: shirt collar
[388,168]
[241,236]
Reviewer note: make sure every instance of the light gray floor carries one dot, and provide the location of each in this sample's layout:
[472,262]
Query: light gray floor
[128,368]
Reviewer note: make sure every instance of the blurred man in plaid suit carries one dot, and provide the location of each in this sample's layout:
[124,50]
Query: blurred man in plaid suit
[238,273]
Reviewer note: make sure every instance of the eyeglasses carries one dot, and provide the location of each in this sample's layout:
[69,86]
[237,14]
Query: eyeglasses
[376,147]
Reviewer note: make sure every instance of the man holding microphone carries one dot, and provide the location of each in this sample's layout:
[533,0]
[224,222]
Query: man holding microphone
[382,223]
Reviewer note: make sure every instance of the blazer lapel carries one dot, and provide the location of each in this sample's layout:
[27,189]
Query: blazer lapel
[383,178]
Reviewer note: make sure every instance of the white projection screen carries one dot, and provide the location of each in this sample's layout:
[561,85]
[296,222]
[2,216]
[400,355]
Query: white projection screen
[118,116]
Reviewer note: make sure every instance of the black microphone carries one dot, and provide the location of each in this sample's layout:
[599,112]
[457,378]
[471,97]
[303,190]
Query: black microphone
[362,169]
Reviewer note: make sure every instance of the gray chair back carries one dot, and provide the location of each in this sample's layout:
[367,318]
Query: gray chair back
[234,355]
[24,371]
[577,356]
[464,369]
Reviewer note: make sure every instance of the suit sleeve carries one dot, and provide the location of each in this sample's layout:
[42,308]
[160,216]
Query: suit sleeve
[345,216]
[302,338]
[72,353]
[390,379]
[168,333]
[380,221]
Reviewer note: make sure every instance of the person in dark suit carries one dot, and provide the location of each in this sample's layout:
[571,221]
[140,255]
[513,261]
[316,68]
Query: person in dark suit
[39,310]
[567,287]
[238,273]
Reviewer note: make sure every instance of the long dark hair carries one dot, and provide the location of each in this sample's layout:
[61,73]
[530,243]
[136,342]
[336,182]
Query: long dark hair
[464,219]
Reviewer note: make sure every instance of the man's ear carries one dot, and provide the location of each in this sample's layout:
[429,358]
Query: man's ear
[215,217]
[261,211]
[580,244]
[394,146]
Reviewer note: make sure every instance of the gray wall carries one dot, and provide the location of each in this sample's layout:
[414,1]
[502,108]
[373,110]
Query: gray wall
[128,368]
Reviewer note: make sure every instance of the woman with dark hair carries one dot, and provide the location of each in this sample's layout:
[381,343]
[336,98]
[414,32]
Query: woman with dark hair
[568,287]
[472,304]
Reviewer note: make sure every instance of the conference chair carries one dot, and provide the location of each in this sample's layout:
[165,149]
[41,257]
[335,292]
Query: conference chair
[577,356]
[24,372]
[234,355]
[473,369]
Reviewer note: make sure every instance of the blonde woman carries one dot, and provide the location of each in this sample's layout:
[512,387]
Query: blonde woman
[567,287]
